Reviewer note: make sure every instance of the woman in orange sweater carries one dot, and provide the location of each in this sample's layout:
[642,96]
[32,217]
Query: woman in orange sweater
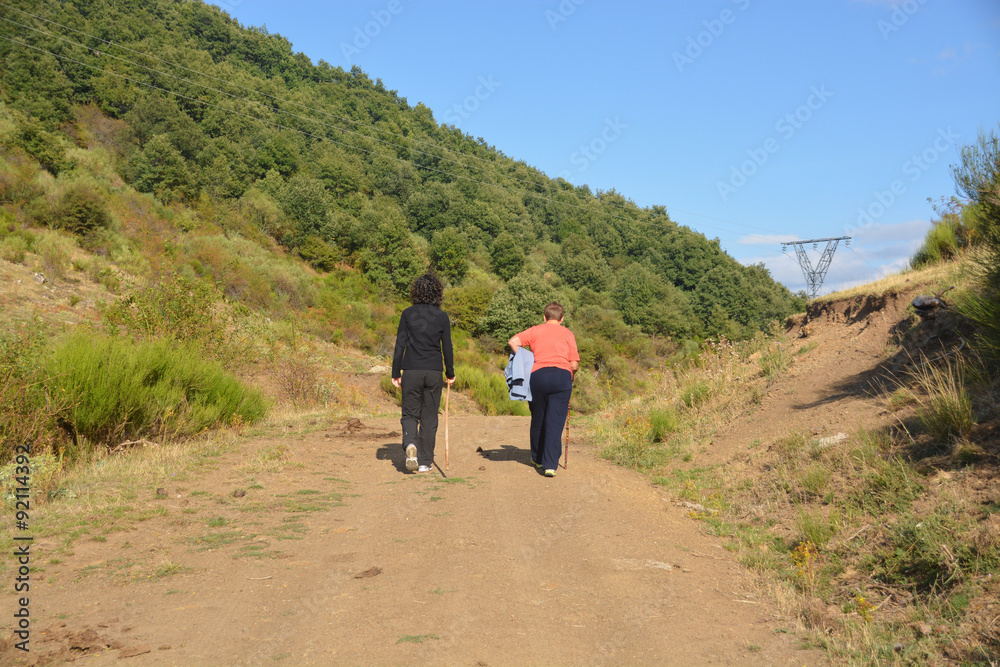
[556,362]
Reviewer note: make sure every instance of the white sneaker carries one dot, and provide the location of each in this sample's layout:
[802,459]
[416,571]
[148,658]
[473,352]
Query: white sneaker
[424,469]
[411,457]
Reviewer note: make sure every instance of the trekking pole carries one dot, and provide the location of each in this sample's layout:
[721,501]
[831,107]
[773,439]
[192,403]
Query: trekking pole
[566,455]
[447,396]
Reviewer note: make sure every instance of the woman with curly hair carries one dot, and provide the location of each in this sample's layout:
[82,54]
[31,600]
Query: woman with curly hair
[424,336]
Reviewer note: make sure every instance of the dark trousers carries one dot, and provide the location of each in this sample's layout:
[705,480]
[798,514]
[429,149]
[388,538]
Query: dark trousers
[551,389]
[421,398]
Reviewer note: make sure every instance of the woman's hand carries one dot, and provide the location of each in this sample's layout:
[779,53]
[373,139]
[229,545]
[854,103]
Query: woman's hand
[397,382]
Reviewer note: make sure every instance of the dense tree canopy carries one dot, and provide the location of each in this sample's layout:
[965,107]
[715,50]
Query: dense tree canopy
[337,168]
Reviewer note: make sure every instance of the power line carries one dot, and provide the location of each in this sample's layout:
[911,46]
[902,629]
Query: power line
[321,111]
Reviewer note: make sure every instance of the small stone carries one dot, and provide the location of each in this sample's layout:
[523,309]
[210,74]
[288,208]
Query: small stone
[923,629]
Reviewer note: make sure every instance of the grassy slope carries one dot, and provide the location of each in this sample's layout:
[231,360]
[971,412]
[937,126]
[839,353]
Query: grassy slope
[886,546]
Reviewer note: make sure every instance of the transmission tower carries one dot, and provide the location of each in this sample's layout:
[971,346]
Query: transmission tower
[814,277]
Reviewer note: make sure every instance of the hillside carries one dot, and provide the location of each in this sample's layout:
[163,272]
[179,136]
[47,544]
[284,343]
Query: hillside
[270,544]
[232,131]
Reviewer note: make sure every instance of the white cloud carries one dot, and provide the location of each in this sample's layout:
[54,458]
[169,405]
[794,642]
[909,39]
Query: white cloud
[873,253]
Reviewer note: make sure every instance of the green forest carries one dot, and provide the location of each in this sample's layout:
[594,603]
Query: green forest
[228,121]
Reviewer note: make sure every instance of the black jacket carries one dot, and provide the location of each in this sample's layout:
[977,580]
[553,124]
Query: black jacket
[424,335]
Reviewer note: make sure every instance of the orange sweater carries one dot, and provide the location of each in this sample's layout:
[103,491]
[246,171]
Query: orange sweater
[552,344]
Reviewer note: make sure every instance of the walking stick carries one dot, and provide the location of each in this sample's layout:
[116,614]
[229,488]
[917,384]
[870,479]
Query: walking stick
[447,395]
[566,455]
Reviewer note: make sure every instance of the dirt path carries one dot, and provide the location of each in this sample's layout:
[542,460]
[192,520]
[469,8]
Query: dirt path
[341,558]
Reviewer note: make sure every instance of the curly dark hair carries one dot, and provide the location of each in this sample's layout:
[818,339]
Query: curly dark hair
[427,289]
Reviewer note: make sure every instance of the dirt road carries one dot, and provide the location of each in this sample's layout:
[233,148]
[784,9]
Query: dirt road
[340,557]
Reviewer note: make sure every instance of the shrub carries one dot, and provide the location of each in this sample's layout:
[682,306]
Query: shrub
[467,304]
[662,422]
[489,391]
[946,409]
[81,211]
[159,388]
[55,253]
[391,390]
[300,381]
[13,249]
[940,243]
[26,413]
[448,255]
[695,394]
[517,306]
[177,307]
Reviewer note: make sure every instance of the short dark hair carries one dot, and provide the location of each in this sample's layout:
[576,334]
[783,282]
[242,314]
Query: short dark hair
[554,311]
[427,289]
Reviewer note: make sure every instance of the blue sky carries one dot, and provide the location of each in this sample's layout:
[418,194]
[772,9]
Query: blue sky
[753,122]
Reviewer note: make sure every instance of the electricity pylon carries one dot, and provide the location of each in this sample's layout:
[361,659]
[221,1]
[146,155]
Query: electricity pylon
[814,277]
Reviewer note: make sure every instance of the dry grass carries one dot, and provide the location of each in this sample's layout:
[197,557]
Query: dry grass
[936,276]
[854,541]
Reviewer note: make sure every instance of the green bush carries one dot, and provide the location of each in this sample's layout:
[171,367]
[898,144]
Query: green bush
[391,390]
[518,305]
[662,422]
[695,394]
[489,391]
[25,409]
[177,307]
[160,388]
[467,304]
[81,211]
[942,242]
[13,249]
[55,251]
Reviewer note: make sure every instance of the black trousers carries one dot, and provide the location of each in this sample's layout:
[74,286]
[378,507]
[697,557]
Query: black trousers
[421,399]
[551,389]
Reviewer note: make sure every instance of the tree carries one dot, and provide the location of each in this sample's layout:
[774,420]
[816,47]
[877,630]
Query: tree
[304,201]
[388,258]
[81,211]
[516,306]
[448,255]
[506,256]
[659,308]
[581,264]
[160,168]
